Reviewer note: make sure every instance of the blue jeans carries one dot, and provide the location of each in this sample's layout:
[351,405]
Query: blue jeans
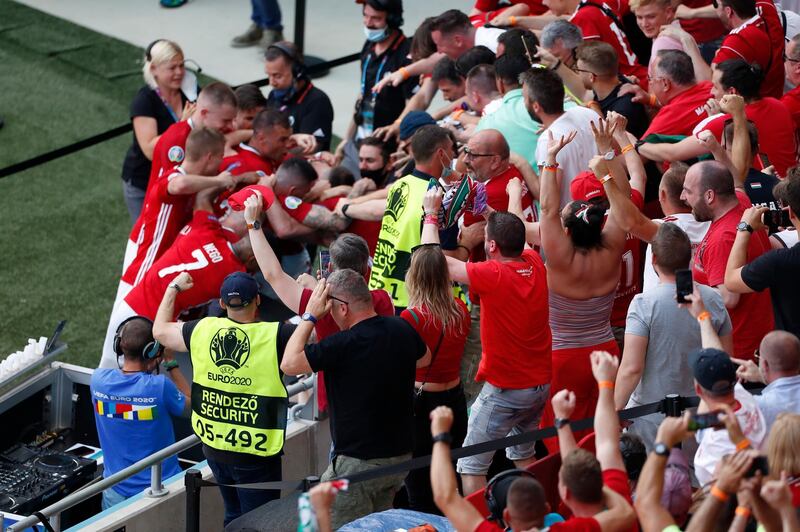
[110,498]
[267,14]
[240,501]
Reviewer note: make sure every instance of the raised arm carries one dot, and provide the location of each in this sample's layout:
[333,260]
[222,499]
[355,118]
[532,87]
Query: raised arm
[514,191]
[294,360]
[606,419]
[737,260]
[628,215]
[556,243]
[287,289]
[702,72]
[733,104]
[430,233]
[528,174]
[563,406]
[633,163]
[170,333]
[322,219]
[708,336]
[182,184]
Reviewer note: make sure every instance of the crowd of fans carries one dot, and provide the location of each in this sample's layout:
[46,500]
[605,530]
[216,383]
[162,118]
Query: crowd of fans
[604,213]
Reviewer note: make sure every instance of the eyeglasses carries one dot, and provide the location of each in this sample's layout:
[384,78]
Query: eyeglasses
[469,153]
[582,71]
[651,79]
[339,300]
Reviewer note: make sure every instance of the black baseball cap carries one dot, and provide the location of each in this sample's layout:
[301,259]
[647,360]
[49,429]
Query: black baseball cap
[238,290]
[713,370]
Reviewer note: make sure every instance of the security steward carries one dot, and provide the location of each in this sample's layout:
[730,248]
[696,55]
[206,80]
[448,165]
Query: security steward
[239,402]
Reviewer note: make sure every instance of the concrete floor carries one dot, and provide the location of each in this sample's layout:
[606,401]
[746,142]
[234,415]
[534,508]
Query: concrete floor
[204,29]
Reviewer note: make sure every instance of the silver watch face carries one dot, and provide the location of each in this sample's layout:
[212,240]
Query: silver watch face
[256,225]
[609,155]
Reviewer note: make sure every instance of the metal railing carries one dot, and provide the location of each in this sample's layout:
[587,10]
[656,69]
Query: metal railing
[156,489]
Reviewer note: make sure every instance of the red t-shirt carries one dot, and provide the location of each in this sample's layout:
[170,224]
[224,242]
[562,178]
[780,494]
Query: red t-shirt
[702,29]
[615,479]
[776,138]
[248,160]
[369,231]
[752,317]
[447,364]
[202,249]
[596,25]
[326,326]
[497,198]
[492,8]
[490,526]
[630,279]
[759,40]
[170,149]
[682,113]
[792,102]
[163,216]
[515,326]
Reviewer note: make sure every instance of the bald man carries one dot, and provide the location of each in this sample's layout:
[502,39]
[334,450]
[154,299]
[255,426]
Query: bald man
[779,368]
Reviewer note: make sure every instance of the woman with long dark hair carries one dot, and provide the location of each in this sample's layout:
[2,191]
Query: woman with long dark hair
[442,321]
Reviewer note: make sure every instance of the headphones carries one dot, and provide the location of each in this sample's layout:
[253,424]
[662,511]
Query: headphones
[393,9]
[152,350]
[496,503]
[149,49]
[298,66]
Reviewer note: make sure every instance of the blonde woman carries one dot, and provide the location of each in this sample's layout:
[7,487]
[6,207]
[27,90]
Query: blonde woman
[442,321]
[158,105]
[782,451]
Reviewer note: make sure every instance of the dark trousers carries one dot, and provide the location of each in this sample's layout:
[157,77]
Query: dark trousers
[240,501]
[418,481]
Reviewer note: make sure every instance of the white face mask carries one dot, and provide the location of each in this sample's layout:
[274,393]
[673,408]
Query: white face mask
[376,35]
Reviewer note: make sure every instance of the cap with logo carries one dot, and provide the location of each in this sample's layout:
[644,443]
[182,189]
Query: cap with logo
[585,186]
[713,370]
[238,290]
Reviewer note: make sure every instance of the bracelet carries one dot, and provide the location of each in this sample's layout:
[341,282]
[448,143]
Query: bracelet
[556,66]
[170,364]
[653,101]
[512,21]
[552,167]
[703,316]
[404,72]
[431,219]
[457,114]
[175,286]
[607,177]
[605,384]
[462,246]
[743,511]
[742,445]
[627,148]
[718,494]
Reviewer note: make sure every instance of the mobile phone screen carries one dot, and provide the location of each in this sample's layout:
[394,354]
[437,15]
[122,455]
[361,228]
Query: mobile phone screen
[683,285]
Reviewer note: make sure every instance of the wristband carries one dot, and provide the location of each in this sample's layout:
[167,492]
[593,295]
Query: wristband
[718,494]
[444,437]
[457,114]
[653,100]
[170,364]
[556,66]
[512,21]
[743,511]
[605,384]
[462,246]
[552,167]
[607,177]
[742,445]
[431,219]
[404,72]
[703,316]
[175,286]
[627,148]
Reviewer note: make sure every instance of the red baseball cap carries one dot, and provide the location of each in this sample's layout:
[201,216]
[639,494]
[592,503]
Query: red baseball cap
[586,187]
[236,200]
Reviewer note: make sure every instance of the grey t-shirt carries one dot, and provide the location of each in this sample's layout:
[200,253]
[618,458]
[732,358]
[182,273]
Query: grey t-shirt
[672,334]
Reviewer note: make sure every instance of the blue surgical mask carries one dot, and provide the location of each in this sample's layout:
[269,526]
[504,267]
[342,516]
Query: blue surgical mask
[376,35]
[447,172]
[283,94]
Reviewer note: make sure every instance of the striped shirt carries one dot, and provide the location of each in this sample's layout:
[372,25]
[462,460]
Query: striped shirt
[580,323]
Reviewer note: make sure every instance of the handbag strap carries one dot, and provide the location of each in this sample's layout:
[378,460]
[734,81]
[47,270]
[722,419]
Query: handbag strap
[433,359]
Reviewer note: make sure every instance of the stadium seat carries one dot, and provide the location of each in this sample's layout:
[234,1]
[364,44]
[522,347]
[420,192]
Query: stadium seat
[546,472]
[587,443]
[478,500]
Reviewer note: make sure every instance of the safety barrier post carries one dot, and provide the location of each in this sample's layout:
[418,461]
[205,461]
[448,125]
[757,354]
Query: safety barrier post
[156,488]
[193,481]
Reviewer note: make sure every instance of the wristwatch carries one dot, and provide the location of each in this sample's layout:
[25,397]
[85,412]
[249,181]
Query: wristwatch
[609,155]
[744,226]
[560,422]
[169,365]
[445,437]
[344,210]
[255,225]
[661,449]
[176,286]
[307,316]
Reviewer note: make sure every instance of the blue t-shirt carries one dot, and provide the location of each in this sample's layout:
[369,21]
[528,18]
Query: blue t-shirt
[132,412]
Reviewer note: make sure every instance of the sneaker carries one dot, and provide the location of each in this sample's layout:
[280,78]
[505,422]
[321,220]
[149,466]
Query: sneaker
[271,37]
[251,37]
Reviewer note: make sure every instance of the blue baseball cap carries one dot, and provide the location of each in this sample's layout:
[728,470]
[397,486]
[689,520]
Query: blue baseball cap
[238,290]
[713,369]
[412,122]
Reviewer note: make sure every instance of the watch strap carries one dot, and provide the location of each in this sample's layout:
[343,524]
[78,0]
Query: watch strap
[661,449]
[560,422]
[445,437]
[307,316]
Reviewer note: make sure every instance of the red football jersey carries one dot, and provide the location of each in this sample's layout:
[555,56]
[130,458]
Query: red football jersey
[752,317]
[163,216]
[630,278]
[595,24]
[247,159]
[776,138]
[759,40]
[792,102]
[170,149]
[682,113]
[702,29]
[201,249]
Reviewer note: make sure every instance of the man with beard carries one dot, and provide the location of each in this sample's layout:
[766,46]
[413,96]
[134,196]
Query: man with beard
[373,160]
[708,189]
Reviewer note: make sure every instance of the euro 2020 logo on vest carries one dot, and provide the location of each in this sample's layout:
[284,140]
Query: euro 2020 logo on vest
[398,199]
[230,349]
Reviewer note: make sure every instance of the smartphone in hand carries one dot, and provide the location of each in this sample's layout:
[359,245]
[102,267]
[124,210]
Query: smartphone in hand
[683,285]
[325,263]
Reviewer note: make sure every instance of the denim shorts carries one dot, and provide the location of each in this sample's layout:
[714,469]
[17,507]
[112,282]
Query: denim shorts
[498,413]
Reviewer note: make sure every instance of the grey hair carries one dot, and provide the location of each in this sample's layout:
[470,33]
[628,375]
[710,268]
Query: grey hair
[569,33]
[677,66]
[350,286]
[350,252]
